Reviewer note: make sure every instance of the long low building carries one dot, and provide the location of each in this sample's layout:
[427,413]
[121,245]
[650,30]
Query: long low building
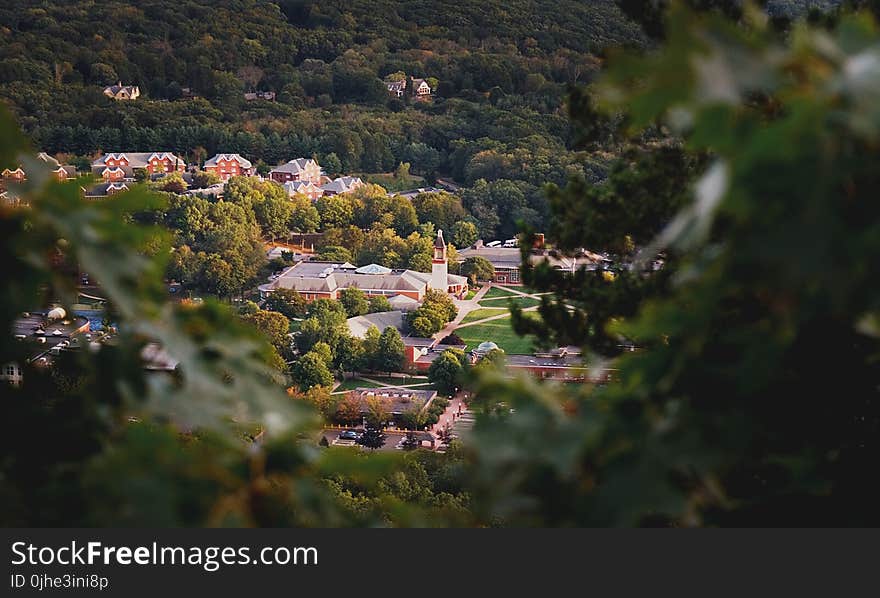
[396,401]
[507,261]
[121,166]
[325,280]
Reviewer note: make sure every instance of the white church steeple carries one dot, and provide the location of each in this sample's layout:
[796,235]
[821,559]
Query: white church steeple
[439,267]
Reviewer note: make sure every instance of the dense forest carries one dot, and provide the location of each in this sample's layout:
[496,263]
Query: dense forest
[500,72]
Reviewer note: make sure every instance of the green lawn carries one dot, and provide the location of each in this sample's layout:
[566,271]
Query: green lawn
[353,383]
[497,292]
[392,183]
[522,289]
[498,331]
[394,381]
[479,314]
[523,302]
[470,295]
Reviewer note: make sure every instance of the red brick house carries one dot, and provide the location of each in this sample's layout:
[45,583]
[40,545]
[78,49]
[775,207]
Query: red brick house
[151,162]
[15,176]
[59,171]
[227,166]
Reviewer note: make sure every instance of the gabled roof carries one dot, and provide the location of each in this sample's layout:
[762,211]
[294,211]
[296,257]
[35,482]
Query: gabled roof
[373,269]
[103,189]
[242,162]
[295,166]
[359,325]
[396,85]
[137,159]
[293,187]
[115,89]
[343,184]
[48,159]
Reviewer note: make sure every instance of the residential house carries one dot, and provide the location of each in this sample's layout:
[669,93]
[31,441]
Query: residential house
[420,88]
[396,88]
[307,188]
[60,171]
[300,169]
[343,184]
[118,167]
[105,189]
[227,166]
[122,92]
[14,176]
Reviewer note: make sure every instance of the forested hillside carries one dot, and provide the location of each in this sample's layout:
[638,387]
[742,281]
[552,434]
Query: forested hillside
[500,72]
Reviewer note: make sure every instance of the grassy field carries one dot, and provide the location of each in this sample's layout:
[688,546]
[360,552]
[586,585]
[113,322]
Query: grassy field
[392,183]
[497,292]
[521,289]
[479,314]
[353,383]
[523,302]
[397,381]
[470,295]
[499,332]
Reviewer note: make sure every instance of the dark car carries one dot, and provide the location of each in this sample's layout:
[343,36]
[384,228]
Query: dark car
[349,435]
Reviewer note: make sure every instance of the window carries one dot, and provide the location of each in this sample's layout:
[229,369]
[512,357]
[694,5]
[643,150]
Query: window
[514,276]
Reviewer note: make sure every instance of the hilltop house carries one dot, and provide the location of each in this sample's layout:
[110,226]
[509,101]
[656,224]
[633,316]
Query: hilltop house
[300,169]
[122,92]
[307,188]
[343,184]
[420,88]
[122,166]
[227,166]
[396,88]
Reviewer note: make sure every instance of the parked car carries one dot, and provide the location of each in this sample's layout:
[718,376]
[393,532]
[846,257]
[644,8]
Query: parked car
[349,435]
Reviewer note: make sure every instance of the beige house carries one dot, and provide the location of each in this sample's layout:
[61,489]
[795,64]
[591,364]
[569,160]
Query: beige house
[122,92]
[300,169]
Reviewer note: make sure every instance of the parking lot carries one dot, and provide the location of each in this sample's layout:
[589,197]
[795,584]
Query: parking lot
[391,441]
